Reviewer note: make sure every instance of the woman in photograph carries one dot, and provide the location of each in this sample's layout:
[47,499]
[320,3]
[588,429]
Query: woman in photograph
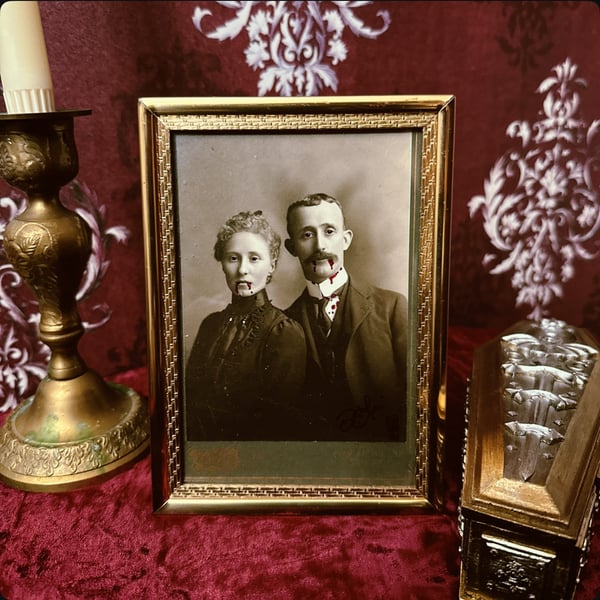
[247,364]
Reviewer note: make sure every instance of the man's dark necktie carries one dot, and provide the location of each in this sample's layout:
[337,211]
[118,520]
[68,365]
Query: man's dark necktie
[323,319]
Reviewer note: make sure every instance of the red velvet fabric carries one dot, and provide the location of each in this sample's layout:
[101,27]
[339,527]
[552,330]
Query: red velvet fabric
[104,542]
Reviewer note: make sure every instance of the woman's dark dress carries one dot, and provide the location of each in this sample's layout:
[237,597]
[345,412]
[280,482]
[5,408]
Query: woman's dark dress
[244,373]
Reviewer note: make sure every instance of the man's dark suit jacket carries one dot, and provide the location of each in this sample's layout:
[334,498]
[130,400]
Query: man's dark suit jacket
[371,405]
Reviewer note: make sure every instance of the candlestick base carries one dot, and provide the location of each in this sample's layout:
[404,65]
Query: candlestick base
[72,433]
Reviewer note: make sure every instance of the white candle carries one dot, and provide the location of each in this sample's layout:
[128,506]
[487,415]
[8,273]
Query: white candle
[24,68]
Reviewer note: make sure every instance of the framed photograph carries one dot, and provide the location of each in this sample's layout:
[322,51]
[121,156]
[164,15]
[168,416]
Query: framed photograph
[296,261]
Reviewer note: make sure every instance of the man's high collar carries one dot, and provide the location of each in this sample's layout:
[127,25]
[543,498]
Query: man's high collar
[330,286]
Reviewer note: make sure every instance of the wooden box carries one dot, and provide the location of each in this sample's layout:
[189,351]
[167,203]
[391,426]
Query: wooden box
[531,461]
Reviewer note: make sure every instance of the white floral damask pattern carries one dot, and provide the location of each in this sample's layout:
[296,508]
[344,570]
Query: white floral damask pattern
[541,204]
[23,357]
[295,45]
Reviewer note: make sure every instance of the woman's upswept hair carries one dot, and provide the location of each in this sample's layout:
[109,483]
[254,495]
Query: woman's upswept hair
[253,222]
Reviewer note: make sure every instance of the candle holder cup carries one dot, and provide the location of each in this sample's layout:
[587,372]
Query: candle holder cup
[77,428]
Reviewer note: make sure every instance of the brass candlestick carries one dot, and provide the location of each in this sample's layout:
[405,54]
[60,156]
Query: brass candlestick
[76,428]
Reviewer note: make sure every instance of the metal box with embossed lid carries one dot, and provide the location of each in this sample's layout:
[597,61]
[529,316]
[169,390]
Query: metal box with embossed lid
[530,464]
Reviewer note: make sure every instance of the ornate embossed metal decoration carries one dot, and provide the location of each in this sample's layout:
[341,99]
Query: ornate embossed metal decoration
[541,205]
[295,45]
[531,460]
[545,373]
[515,569]
[76,427]
[70,459]
[23,357]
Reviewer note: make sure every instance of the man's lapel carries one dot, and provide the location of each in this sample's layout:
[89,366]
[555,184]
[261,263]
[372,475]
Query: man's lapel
[358,305]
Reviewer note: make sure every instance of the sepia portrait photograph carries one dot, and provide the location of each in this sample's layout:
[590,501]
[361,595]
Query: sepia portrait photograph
[294,308]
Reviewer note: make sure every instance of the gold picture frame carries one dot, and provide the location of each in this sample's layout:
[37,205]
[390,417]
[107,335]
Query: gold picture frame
[388,159]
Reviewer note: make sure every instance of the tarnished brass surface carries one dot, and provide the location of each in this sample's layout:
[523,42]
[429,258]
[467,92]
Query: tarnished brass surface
[76,427]
[531,461]
[56,441]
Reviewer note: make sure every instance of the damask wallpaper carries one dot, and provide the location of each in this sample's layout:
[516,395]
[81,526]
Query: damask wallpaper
[526,76]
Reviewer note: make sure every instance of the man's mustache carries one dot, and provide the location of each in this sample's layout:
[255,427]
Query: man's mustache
[320,256]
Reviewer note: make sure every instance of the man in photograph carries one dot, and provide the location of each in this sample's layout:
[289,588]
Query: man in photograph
[355,388]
